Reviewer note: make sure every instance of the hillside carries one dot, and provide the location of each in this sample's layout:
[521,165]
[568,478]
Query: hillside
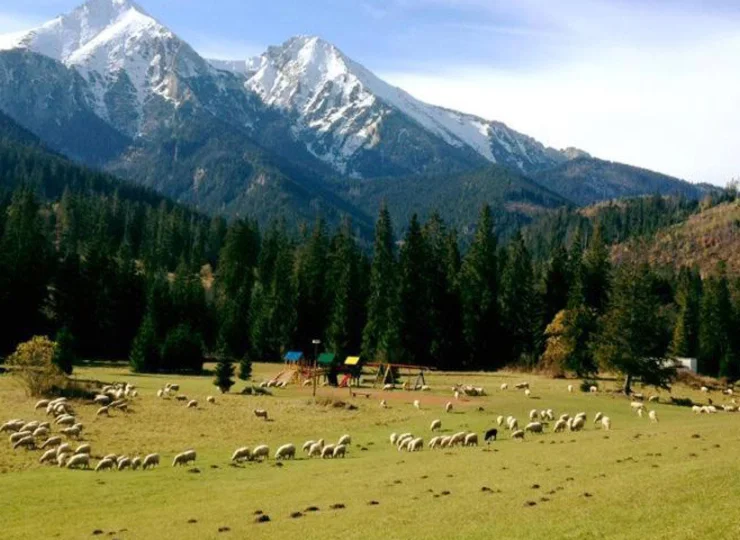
[703,240]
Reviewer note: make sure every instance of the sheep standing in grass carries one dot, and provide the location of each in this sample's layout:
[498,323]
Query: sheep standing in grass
[393,438]
[285,451]
[105,410]
[578,424]
[415,445]
[518,434]
[640,412]
[500,420]
[79,460]
[29,442]
[136,463]
[653,416]
[471,439]
[417,405]
[261,452]
[513,424]
[192,404]
[184,458]
[458,438]
[327,451]
[315,449]
[307,445]
[383,404]
[345,440]
[434,442]
[533,427]
[105,465]
[124,463]
[49,455]
[491,434]
[598,417]
[83,449]
[448,407]
[151,460]
[436,425]
[606,423]
[260,413]
[62,459]
[593,389]
[211,400]
[534,415]
[340,450]
[241,454]
[504,386]
[15,437]
[570,388]
[527,392]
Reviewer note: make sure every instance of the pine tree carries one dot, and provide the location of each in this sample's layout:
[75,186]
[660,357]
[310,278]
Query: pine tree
[64,354]
[717,330]
[182,350]
[631,340]
[380,336]
[312,294]
[557,283]
[686,331]
[224,374]
[479,297]
[145,357]
[245,367]
[595,273]
[414,296]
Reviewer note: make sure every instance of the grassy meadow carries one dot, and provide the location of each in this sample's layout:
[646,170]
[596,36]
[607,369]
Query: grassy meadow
[679,478]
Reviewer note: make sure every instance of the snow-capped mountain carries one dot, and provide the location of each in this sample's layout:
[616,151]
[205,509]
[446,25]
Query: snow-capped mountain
[342,108]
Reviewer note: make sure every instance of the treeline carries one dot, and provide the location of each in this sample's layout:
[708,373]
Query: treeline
[122,273]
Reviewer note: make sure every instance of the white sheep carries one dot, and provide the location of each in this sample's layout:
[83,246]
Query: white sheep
[124,463]
[285,451]
[30,426]
[315,449]
[79,460]
[534,414]
[560,425]
[103,410]
[73,431]
[471,439]
[533,427]
[704,389]
[41,404]
[150,460]
[261,452]
[193,404]
[383,404]
[653,416]
[417,405]
[241,454]
[184,458]
[593,389]
[637,405]
[444,442]
[112,457]
[654,399]
[457,438]
[62,459]
[640,412]
[518,434]
[606,423]
[393,438]
[63,449]
[436,425]
[448,407]
[327,451]
[65,420]
[457,394]
[135,463]
[426,388]
[415,445]
[500,420]
[345,440]
[211,399]
[83,449]
[340,450]
[102,399]
[598,417]
[29,442]
[387,387]
[49,455]
[513,424]
[434,442]
[15,437]
[307,445]
[105,464]
[260,413]
[578,424]
[550,414]
[527,392]
[696,409]
[570,388]
[504,386]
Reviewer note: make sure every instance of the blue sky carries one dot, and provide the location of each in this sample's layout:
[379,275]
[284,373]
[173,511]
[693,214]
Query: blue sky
[654,83]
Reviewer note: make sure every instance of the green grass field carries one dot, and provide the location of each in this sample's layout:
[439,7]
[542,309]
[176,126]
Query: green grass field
[679,478]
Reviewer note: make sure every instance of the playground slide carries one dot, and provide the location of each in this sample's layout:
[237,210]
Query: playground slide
[286,376]
[345,381]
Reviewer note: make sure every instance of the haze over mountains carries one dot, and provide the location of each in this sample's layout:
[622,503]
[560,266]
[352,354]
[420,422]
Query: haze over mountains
[298,130]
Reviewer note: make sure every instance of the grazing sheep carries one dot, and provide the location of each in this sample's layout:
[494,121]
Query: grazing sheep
[73,431]
[307,445]
[471,439]
[415,445]
[527,392]
[193,404]
[637,405]
[448,407]
[31,426]
[654,399]
[504,386]
[518,434]
[383,404]
[490,434]
[521,385]
[62,459]
[653,416]
[533,427]
[578,424]
[444,442]
[241,454]
[704,389]
[564,417]
[403,442]
[393,438]
[184,458]
[315,449]
[83,449]
[640,412]
[15,437]
[260,413]
[112,457]
[560,425]
[534,414]
[426,388]
[102,399]
[105,465]
[696,409]
[500,420]
[173,387]
[211,399]
[606,423]
[151,460]
[261,452]
[457,438]
[340,450]
[402,436]
[550,415]
[597,417]
[436,424]
[181,398]
[434,442]
[65,420]
[345,440]
[286,451]
[49,455]
[417,404]
[103,410]
[64,449]
[41,404]
[327,451]
[124,463]
[12,425]
[513,424]
[457,394]
[135,463]
[570,388]
[593,389]
[79,460]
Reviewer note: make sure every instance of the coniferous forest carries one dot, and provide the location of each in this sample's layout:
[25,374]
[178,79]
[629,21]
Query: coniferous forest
[113,271]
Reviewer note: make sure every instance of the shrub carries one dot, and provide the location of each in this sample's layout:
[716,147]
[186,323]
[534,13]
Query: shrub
[224,374]
[586,385]
[64,357]
[33,365]
[145,356]
[182,350]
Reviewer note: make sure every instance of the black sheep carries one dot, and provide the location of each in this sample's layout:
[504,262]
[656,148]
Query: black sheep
[491,434]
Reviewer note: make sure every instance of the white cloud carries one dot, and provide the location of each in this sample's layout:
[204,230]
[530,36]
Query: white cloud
[673,109]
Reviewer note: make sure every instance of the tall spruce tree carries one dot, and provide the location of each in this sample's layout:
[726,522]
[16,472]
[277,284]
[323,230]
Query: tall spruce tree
[688,299]
[631,339]
[717,330]
[312,301]
[414,296]
[380,336]
[479,297]
[595,273]
[557,283]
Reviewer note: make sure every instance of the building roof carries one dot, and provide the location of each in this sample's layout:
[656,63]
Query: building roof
[293,356]
[352,361]
[326,358]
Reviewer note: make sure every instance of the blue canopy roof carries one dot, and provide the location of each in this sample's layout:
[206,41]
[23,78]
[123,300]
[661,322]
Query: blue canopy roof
[293,356]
